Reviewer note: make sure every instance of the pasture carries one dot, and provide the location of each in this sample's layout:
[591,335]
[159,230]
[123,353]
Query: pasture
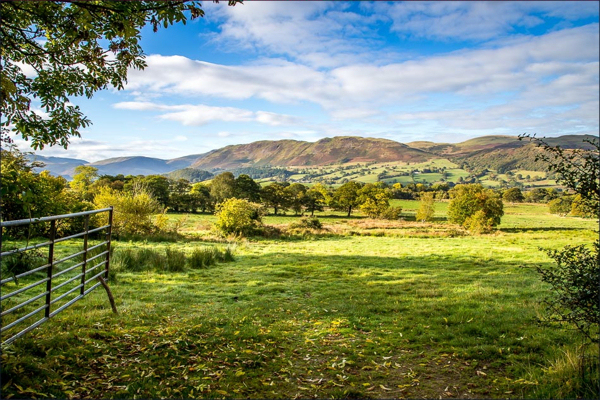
[361,309]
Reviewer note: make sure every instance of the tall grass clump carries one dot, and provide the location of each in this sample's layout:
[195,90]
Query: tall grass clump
[203,257]
[172,260]
[175,260]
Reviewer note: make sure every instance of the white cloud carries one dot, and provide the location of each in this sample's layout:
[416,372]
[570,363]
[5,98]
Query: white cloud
[477,20]
[531,68]
[197,115]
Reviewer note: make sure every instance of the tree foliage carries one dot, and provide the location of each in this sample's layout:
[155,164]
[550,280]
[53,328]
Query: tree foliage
[238,216]
[575,282]
[347,196]
[471,206]
[426,211]
[55,51]
[575,279]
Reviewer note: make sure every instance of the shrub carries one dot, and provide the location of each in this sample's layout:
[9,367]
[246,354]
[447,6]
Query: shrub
[513,195]
[133,212]
[581,208]
[479,223]
[574,281]
[561,205]
[467,200]
[391,213]
[307,222]
[19,263]
[238,216]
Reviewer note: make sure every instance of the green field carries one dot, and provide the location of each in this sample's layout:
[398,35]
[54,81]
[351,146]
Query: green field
[362,309]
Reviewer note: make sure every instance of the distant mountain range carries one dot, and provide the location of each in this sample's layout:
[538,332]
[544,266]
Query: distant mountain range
[501,153]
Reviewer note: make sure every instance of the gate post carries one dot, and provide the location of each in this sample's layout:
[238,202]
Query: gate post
[85,253]
[50,267]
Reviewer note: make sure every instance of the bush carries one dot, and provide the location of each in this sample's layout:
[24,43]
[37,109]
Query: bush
[513,195]
[561,206]
[581,208]
[391,213]
[133,212]
[308,223]
[575,284]
[467,200]
[479,223]
[238,216]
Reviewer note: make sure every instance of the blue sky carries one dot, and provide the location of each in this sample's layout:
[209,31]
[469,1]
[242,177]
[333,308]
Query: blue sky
[406,71]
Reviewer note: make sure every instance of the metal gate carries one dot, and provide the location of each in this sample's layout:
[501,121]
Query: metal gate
[63,284]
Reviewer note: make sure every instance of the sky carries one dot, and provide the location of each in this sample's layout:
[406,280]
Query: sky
[406,71]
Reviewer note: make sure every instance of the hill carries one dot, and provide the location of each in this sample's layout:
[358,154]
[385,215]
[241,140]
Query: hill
[500,153]
[58,166]
[139,165]
[328,151]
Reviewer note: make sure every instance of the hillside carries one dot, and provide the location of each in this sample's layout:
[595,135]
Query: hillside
[500,153]
[138,165]
[58,166]
[285,153]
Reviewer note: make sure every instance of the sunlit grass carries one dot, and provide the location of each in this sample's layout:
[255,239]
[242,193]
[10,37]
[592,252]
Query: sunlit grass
[376,309]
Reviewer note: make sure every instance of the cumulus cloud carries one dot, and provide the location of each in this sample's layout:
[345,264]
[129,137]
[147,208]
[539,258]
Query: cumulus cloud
[557,69]
[478,20]
[197,115]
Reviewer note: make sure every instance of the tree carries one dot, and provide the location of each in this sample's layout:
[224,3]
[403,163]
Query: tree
[577,169]
[63,42]
[426,211]
[373,199]
[246,188]
[295,194]
[316,198]
[202,193]
[561,205]
[513,195]
[158,186]
[346,197]
[474,207]
[27,194]
[222,187]
[275,196]
[82,181]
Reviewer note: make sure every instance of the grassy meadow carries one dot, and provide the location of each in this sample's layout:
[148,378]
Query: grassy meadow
[361,309]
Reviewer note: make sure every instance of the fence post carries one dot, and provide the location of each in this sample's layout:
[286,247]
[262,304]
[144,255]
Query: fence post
[85,253]
[50,267]
[108,239]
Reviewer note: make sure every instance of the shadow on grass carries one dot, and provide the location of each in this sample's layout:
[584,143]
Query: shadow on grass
[541,229]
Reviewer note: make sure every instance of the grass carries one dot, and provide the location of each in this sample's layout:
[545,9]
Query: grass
[368,309]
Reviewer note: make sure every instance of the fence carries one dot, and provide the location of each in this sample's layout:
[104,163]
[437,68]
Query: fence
[19,301]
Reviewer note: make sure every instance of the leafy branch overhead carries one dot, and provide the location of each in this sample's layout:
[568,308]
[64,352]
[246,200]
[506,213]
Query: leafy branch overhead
[55,51]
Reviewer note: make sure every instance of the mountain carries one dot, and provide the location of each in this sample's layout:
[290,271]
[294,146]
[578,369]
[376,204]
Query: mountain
[505,153]
[139,165]
[286,153]
[58,166]
[500,153]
